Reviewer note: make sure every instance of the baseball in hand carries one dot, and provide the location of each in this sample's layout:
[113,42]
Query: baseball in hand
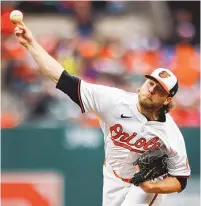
[16,16]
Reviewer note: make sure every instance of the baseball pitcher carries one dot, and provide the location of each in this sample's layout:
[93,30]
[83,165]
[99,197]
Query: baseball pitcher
[145,153]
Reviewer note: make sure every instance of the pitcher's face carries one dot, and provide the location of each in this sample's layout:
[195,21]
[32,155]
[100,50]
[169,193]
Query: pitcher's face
[152,95]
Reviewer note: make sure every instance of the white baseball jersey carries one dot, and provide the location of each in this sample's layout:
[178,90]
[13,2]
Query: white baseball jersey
[127,134]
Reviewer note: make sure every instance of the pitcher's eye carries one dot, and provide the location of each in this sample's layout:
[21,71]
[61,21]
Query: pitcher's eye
[151,83]
[160,90]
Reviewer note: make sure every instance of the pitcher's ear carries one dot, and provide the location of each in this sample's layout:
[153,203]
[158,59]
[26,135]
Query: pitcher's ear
[138,89]
[168,100]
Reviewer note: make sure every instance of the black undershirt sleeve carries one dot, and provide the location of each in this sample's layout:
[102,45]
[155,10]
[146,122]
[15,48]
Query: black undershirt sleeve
[70,85]
[183,182]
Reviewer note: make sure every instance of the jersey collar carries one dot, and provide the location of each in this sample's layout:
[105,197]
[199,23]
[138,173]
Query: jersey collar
[144,119]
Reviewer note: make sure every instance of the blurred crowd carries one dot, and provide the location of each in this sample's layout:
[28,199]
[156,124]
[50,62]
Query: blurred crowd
[30,98]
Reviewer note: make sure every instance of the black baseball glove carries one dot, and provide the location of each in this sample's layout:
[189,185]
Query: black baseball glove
[152,163]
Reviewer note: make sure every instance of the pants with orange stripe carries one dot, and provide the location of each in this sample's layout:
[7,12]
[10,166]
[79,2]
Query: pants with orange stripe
[119,193]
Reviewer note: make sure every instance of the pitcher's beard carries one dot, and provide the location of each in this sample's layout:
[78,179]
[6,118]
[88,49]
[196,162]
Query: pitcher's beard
[147,104]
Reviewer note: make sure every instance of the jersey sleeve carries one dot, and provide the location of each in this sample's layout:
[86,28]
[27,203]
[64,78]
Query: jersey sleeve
[97,98]
[171,137]
[89,97]
[178,165]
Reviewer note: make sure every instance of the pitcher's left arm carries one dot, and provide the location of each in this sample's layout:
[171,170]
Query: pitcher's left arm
[168,185]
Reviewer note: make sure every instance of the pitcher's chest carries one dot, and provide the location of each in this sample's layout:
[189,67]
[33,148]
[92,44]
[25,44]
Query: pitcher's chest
[132,134]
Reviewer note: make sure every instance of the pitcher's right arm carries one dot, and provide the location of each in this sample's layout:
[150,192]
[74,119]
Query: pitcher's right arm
[47,64]
[90,97]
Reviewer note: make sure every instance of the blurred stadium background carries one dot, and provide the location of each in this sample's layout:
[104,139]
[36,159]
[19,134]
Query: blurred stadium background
[53,155]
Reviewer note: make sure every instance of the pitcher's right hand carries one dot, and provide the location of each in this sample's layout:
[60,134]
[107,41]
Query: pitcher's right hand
[23,35]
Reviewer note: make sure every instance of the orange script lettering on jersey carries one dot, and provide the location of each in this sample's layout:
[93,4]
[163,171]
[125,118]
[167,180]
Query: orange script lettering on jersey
[123,139]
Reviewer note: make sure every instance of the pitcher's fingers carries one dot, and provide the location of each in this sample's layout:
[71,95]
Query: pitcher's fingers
[137,168]
[17,29]
[18,32]
[23,27]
